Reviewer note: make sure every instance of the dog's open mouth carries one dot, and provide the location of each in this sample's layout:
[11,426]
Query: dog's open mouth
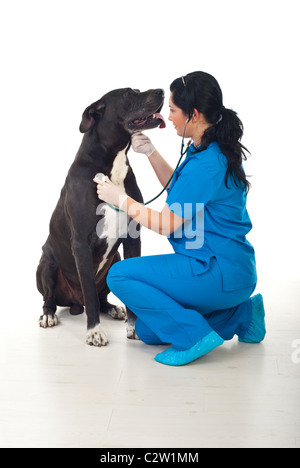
[153,121]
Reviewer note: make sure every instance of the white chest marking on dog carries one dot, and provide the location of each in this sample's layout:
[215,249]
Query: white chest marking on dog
[119,169]
[114,224]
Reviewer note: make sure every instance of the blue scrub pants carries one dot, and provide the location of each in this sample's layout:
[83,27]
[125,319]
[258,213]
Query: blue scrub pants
[176,306]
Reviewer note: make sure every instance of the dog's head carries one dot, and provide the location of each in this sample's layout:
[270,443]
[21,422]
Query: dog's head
[124,111]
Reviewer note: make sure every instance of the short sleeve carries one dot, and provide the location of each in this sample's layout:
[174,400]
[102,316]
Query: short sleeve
[194,188]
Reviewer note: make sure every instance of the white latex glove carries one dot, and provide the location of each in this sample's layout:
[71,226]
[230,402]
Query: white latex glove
[110,193]
[142,144]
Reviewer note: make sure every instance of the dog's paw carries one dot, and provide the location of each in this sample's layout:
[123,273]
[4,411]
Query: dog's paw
[117,312]
[131,333]
[96,337]
[48,320]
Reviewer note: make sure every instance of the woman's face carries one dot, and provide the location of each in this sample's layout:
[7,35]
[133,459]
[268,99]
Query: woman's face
[195,127]
[178,118]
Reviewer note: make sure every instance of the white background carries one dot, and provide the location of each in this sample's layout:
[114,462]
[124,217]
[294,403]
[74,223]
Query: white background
[57,57]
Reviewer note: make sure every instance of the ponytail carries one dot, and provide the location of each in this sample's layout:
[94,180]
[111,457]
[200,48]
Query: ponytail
[228,131]
[201,91]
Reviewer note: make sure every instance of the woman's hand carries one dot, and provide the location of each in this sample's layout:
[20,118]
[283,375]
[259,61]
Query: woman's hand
[110,193]
[163,223]
[142,144]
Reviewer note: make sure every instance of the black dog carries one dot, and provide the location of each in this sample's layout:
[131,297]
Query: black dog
[85,236]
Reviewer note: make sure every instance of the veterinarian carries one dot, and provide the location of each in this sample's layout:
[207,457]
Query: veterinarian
[200,295]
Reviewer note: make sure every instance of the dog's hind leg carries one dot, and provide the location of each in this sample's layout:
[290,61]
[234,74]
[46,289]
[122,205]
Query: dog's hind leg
[46,280]
[115,311]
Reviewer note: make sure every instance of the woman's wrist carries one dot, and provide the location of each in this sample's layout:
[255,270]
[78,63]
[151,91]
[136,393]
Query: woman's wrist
[153,154]
[151,151]
[122,199]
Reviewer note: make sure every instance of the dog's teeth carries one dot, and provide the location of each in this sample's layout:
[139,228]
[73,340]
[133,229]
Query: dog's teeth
[154,116]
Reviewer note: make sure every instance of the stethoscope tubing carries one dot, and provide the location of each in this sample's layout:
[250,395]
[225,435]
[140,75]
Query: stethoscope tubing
[182,153]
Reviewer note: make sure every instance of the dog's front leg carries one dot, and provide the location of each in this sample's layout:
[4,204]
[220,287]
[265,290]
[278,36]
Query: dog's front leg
[84,263]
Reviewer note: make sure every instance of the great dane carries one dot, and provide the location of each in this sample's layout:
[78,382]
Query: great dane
[85,234]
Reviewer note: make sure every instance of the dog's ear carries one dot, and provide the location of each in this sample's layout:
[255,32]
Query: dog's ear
[90,115]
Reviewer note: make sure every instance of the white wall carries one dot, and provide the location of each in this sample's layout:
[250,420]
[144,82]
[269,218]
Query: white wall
[58,56]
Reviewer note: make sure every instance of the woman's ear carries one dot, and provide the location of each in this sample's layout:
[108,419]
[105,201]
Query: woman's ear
[195,115]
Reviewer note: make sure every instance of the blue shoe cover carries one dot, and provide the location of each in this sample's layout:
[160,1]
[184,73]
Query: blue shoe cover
[257,328]
[174,357]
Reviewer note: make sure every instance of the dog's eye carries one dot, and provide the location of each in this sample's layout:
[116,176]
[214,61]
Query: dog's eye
[128,93]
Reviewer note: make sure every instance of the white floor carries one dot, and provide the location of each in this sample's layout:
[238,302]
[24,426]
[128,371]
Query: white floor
[58,392]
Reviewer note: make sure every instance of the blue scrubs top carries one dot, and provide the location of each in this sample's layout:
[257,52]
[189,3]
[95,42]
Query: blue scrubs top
[216,218]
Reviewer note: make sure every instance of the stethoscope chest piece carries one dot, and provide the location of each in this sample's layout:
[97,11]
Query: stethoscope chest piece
[100,177]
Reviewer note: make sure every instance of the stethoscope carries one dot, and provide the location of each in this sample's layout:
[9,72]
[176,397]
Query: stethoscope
[183,152]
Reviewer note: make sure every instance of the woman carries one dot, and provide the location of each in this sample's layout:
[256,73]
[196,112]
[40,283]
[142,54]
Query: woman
[199,296]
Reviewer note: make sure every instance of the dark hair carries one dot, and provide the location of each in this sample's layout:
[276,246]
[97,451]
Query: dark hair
[201,91]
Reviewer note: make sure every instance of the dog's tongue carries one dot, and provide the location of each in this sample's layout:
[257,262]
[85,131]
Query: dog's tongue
[160,117]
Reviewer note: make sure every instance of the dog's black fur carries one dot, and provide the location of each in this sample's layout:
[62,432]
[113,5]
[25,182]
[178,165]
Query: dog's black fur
[68,274]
